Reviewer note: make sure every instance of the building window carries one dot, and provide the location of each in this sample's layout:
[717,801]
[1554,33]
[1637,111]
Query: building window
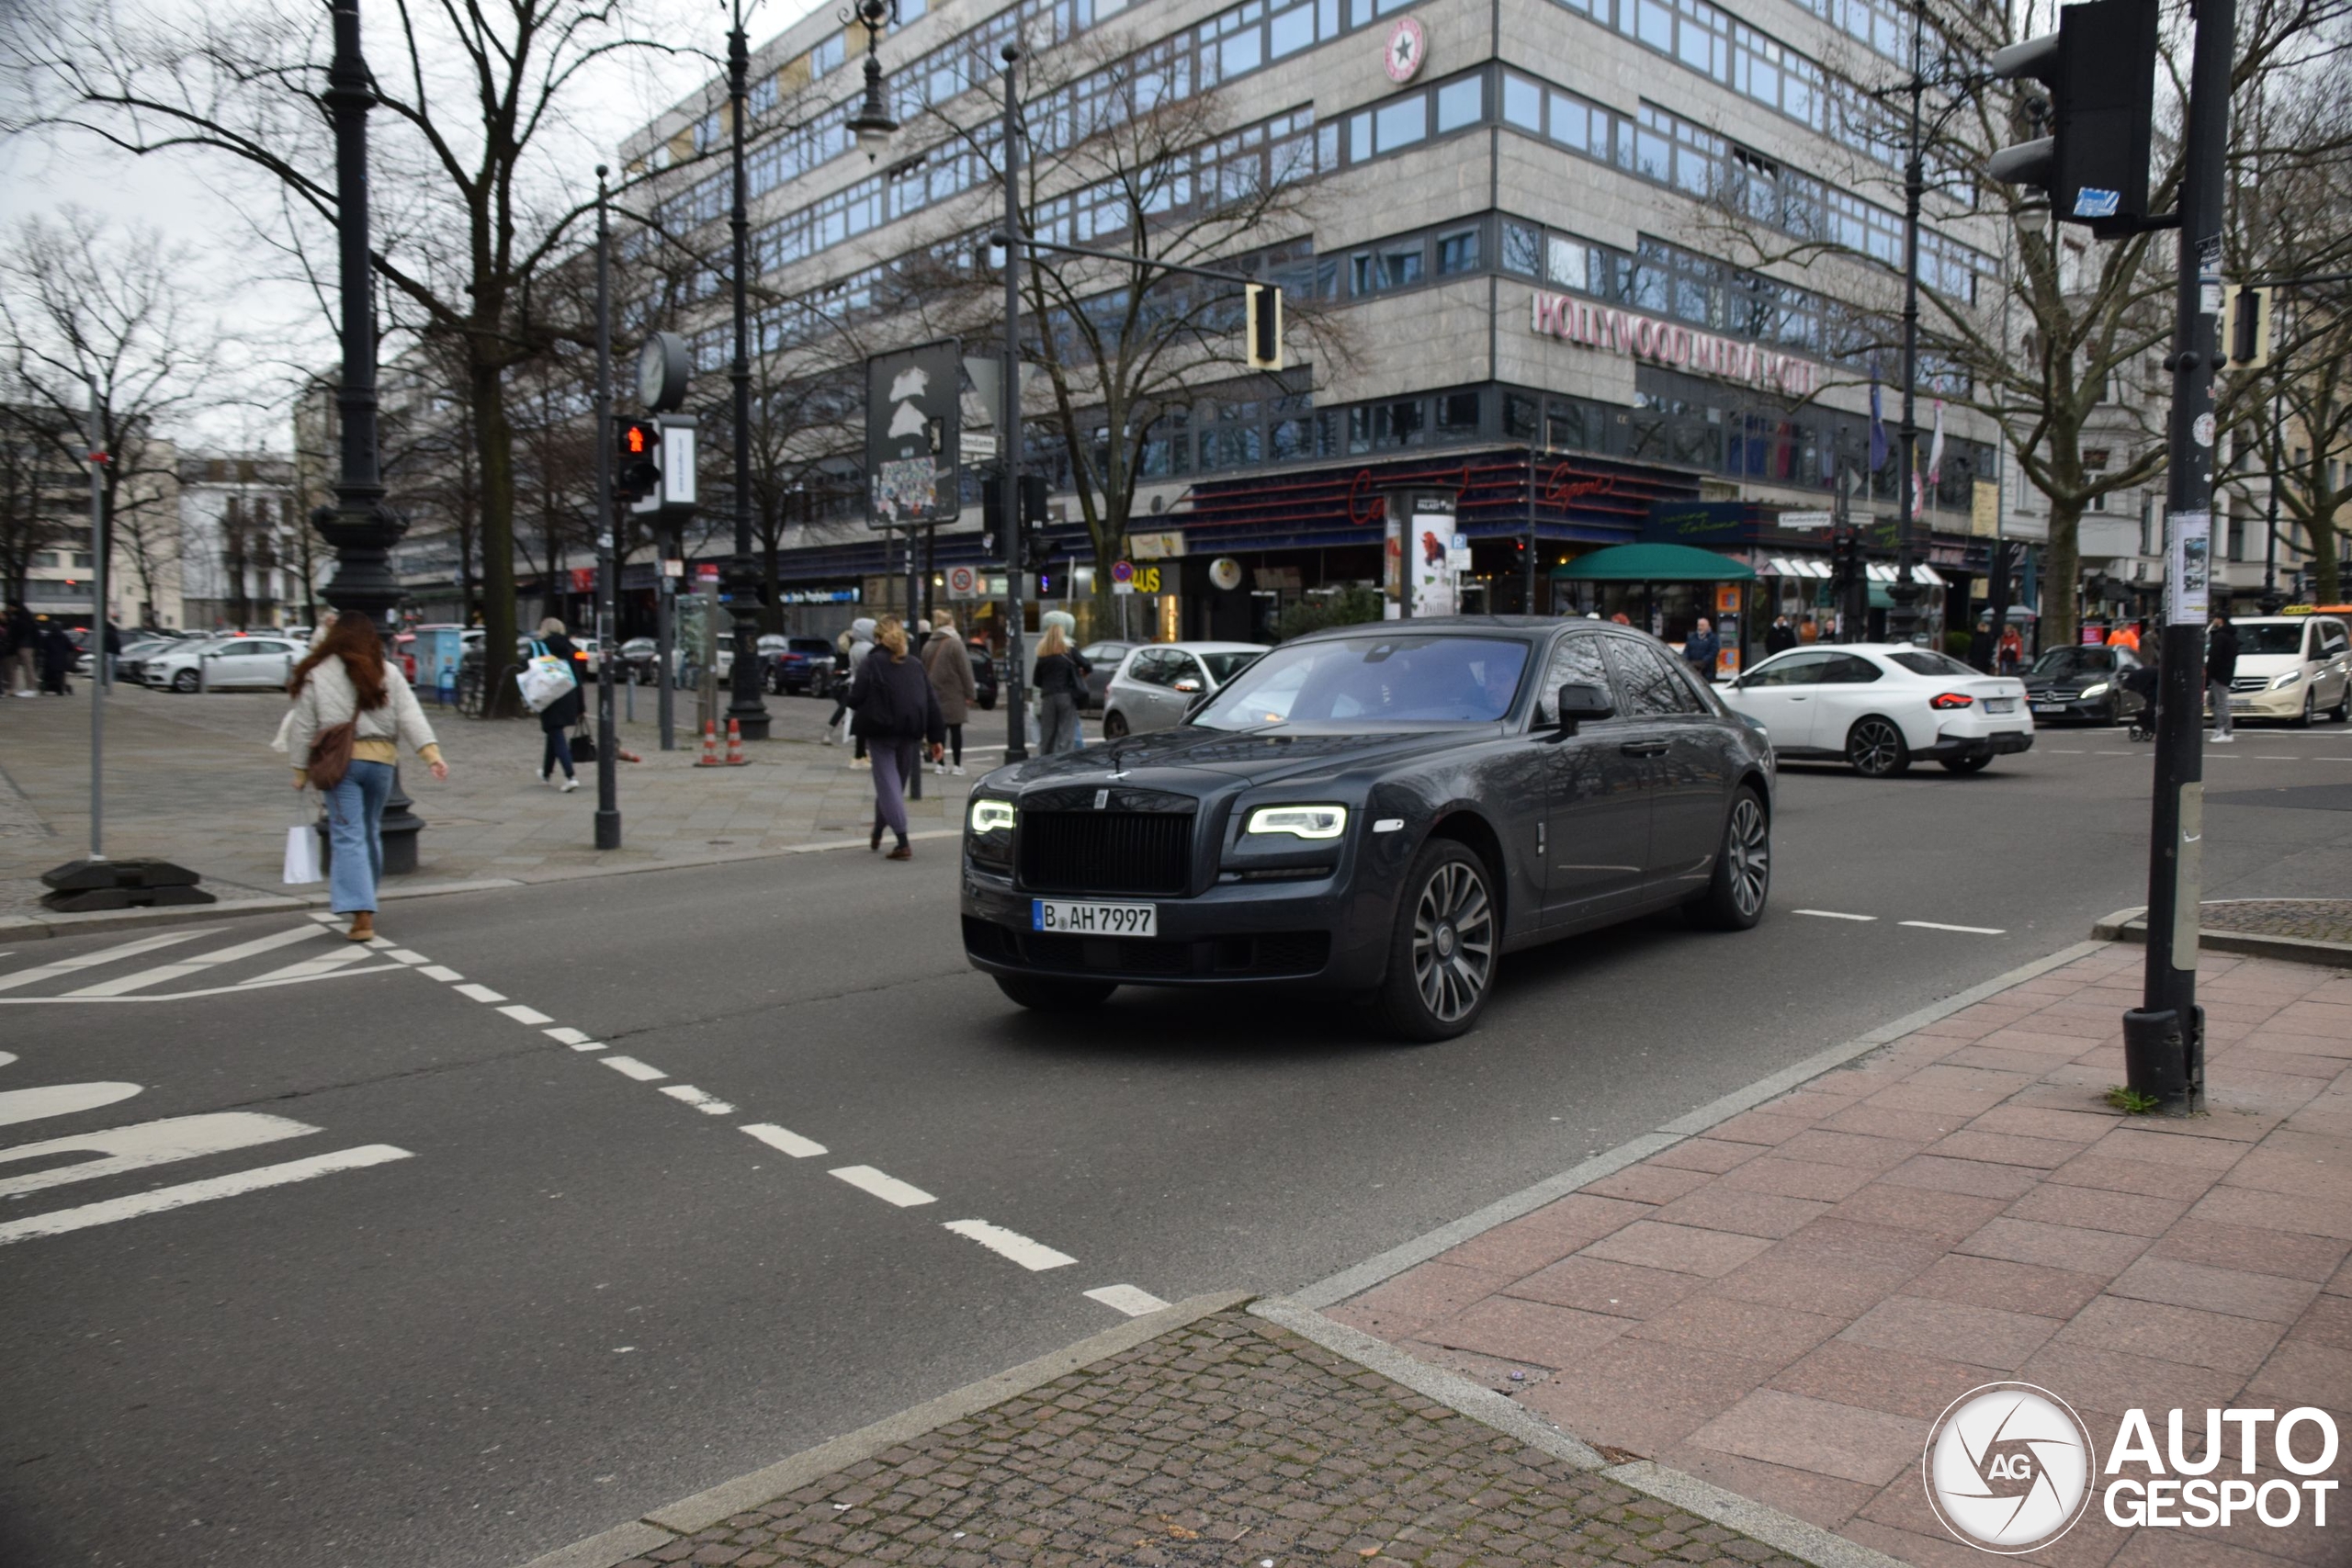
[1519,416]
[1461,103]
[1457,252]
[1399,423]
[1457,414]
[1522,247]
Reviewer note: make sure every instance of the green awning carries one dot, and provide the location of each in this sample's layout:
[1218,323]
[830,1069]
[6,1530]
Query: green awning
[1654,563]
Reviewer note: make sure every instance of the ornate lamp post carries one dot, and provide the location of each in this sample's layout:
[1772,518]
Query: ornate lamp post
[746,708]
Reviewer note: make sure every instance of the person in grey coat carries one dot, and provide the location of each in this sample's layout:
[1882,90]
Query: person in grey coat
[949,666]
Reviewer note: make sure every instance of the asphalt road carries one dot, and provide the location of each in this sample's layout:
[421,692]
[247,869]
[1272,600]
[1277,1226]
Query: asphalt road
[532,1295]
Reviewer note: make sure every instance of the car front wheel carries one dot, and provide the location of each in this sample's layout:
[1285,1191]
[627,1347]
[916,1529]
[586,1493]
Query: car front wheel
[1115,727]
[2311,705]
[1876,749]
[1041,995]
[1734,900]
[1441,956]
[185,681]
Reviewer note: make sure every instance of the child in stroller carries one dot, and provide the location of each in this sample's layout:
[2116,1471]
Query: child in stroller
[2141,681]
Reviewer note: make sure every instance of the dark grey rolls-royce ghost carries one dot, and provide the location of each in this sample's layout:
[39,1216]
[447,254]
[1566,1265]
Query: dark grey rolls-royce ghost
[1381,809]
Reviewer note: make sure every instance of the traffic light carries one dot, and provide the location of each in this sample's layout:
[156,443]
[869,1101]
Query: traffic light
[639,473]
[2101,68]
[1263,310]
[2250,329]
[1845,553]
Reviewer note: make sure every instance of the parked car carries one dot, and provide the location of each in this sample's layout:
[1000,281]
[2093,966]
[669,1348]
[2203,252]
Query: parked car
[1364,809]
[1156,683]
[2291,668]
[236,663]
[1102,661]
[2083,683]
[799,666]
[1881,707]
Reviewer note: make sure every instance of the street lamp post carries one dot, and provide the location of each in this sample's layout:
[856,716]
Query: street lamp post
[608,810]
[361,525]
[1016,740]
[746,710]
[1903,618]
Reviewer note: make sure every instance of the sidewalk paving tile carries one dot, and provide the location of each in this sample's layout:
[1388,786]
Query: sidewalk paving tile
[2186,1335]
[1536,1333]
[1656,1245]
[2098,1209]
[2276,1210]
[2012,1287]
[1593,1284]
[2105,1253]
[1746,1328]
[1723,1208]
[1843,1373]
[1983,1336]
[1947,1217]
[1795,1178]
[2267,1297]
[1983,1178]
[1868,1446]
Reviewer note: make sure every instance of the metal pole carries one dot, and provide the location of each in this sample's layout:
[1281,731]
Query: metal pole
[665,635]
[1016,682]
[746,707]
[360,525]
[913,785]
[98,542]
[1528,584]
[2164,1039]
[2271,598]
[608,811]
[1902,620]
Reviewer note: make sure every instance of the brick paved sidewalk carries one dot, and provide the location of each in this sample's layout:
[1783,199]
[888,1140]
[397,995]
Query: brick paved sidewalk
[1784,1304]
[1228,1441]
[192,778]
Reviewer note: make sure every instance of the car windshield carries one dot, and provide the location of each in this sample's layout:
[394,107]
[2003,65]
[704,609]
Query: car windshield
[2271,637]
[1372,682]
[2062,663]
[1919,661]
[1224,667]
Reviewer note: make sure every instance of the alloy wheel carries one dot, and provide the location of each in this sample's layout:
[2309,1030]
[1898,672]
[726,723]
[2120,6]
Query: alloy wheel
[1453,942]
[1874,746]
[1749,847]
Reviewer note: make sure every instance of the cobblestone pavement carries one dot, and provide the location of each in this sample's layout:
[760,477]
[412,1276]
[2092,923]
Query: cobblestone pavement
[1228,1441]
[2313,920]
[1784,1303]
[192,779]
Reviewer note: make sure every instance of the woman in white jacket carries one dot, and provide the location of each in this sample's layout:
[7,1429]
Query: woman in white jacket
[347,679]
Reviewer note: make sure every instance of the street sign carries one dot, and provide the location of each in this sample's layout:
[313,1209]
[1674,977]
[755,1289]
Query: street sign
[913,423]
[1804,520]
[1122,572]
[963,583]
[979,447]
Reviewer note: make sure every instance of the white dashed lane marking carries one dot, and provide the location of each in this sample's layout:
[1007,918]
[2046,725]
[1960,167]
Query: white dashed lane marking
[1033,1256]
[708,1104]
[522,1014]
[58,1222]
[479,993]
[1126,1299]
[437,972]
[889,1188]
[1940,926]
[563,1034]
[92,960]
[784,1141]
[630,1067]
[310,967]
[141,978]
[1832,915]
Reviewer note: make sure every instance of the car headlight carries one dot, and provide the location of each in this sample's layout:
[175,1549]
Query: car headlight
[2097,689]
[991,816]
[1299,821]
[2281,682]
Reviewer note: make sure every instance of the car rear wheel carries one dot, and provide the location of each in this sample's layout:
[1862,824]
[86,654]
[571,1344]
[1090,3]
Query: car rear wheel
[2343,708]
[185,681]
[1968,764]
[1442,957]
[2311,705]
[1875,747]
[1115,727]
[1734,900]
[1041,995]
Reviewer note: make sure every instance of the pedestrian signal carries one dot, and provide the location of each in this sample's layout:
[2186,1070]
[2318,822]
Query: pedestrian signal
[640,471]
[1264,333]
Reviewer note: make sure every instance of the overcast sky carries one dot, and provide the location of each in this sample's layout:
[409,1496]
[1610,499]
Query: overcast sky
[183,196]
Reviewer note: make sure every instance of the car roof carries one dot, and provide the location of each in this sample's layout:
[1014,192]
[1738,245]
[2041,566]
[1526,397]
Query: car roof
[1204,646]
[1466,625]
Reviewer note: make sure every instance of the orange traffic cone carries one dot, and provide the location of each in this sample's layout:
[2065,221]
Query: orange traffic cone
[735,758]
[709,758]
[627,756]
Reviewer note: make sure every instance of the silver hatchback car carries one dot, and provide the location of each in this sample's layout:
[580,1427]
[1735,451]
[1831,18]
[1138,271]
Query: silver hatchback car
[1158,683]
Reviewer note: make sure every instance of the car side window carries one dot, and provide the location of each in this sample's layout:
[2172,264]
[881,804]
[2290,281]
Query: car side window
[1576,658]
[1846,670]
[1184,667]
[1150,668]
[1798,670]
[1646,682]
[2331,639]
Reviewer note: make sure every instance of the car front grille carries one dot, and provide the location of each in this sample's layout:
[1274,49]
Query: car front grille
[2249,683]
[1106,852]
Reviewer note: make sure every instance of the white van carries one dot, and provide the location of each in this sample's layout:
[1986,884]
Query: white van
[2292,668]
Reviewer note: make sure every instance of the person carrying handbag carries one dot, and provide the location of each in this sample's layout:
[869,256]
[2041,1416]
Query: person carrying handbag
[896,712]
[557,719]
[351,711]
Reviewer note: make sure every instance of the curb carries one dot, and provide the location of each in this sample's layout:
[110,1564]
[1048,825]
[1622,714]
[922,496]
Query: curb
[2131,925]
[1774,1528]
[672,1521]
[21,927]
[1385,1266]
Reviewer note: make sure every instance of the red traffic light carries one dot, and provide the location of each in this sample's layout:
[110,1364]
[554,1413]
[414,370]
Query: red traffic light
[640,448]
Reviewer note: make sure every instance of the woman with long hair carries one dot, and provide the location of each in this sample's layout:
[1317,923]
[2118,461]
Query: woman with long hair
[1060,679]
[896,711]
[346,680]
[557,719]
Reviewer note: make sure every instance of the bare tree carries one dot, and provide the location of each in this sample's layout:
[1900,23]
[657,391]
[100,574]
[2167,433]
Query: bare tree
[30,469]
[98,322]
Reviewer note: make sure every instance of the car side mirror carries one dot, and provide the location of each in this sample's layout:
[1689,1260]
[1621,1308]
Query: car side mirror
[1581,700]
[1188,686]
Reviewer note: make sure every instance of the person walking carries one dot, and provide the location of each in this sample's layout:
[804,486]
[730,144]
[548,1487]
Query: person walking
[861,643]
[1700,648]
[837,686]
[1781,639]
[57,656]
[2220,670]
[347,679]
[2125,635]
[950,669]
[557,719]
[2012,651]
[1060,679]
[23,648]
[896,712]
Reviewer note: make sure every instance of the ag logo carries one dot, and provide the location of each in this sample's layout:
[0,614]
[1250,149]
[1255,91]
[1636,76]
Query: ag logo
[2008,1468]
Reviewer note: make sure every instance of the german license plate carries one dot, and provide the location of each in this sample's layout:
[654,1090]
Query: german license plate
[2045,708]
[1065,916]
[2001,705]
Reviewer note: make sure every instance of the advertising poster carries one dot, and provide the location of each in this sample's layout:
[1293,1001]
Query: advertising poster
[913,428]
[2188,575]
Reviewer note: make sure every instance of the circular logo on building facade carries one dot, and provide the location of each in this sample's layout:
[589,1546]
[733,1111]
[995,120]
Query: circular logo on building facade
[1409,46]
[2008,1468]
[1225,573]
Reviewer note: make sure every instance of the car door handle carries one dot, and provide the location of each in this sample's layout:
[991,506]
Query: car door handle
[1642,747]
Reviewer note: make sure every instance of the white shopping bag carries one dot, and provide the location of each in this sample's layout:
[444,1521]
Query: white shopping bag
[544,680]
[302,855]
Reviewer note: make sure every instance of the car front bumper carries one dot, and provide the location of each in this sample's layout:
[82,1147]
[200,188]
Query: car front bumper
[2285,703]
[2101,709]
[1310,932]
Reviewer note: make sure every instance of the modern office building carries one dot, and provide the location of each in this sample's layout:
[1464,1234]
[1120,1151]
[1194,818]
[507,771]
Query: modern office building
[1610,270]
